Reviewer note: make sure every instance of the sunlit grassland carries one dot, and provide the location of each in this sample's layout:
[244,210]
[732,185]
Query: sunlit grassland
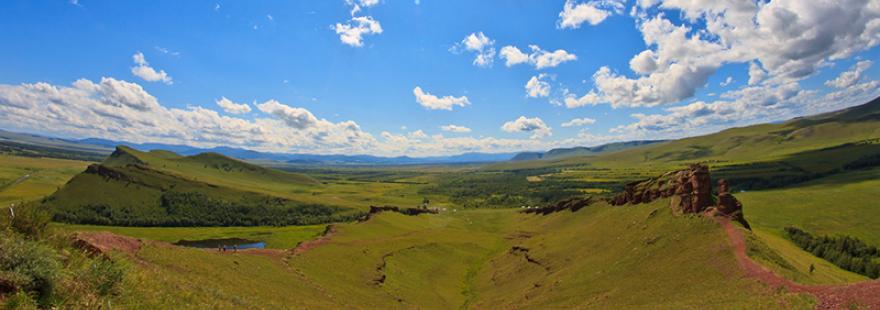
[285,237]
[31,178]
[842,204]
[599,257]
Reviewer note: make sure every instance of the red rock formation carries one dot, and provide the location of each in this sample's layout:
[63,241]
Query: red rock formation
[103,243]
[728,205]
[690,189]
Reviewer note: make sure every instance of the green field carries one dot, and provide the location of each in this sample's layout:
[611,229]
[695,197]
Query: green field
[275,237]
[29,178]
[466,259]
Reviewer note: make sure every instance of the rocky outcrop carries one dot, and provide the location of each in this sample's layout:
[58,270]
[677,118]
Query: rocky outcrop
[689,190]
[103,243]
[106,173]
[727,204]
[573,204]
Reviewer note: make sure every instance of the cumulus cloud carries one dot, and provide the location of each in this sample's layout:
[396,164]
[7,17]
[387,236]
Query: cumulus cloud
[592,12]
[121,110]
[352,33]
[143,70]
[782,40]
[480,45]
[577,122]
[536,87]
[232,107]
[432,102]
[539,58]
[418,134]
[756,74]
[850,77]
[523,124]
[455,128]
[726,81]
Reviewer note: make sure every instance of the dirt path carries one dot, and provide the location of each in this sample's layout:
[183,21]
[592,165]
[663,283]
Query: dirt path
[865,294]
[324,238]
[16,182]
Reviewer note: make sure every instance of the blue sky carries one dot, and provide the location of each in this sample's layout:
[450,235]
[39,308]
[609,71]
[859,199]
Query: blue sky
[333,96]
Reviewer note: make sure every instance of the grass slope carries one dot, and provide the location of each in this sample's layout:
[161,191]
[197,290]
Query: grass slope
[275,237]
[844,204]
[160,188]
[599,257]
[755,143]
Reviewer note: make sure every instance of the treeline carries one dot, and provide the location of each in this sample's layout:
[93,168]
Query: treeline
[27,150]
[509,188]
[183,209]
[846,252]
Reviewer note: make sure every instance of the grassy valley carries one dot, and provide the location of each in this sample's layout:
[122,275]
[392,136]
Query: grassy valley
[818,174]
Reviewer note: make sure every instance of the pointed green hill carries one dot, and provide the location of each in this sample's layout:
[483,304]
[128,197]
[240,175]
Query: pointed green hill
[160,188]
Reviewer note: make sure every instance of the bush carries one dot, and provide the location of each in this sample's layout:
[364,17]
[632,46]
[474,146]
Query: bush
[31,221]
[28,266]
[104,276]
[846,252]
[21,301]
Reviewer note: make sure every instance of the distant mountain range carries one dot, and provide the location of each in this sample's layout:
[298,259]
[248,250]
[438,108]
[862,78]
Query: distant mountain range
[95,149]
[582,151]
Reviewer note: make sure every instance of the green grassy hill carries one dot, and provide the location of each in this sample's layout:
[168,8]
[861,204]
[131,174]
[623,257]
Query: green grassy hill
[599,257]
[758,143]
[160,188]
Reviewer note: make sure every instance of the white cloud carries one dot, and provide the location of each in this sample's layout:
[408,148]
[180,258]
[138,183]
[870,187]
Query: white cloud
[644,62]
[352,32]
[298,118]
[166,51]
[539,58]
[850,77]
[143,70]
[591,12]
[480,45]
[232,107]
[577,122]
[756,74]
[418,134]
[590,98]
[120,110]
[455,128]
[513,56]
[432,102]
[726,81]
[536,87]
[790,40]
[523,124]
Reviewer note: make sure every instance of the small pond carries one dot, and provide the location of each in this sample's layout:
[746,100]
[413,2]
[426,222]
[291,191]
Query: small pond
[227,242]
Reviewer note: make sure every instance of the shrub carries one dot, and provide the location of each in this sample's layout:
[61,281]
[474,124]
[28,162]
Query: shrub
[31,221]
[28,266]
[21,301]
[104,276]
[846,252]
